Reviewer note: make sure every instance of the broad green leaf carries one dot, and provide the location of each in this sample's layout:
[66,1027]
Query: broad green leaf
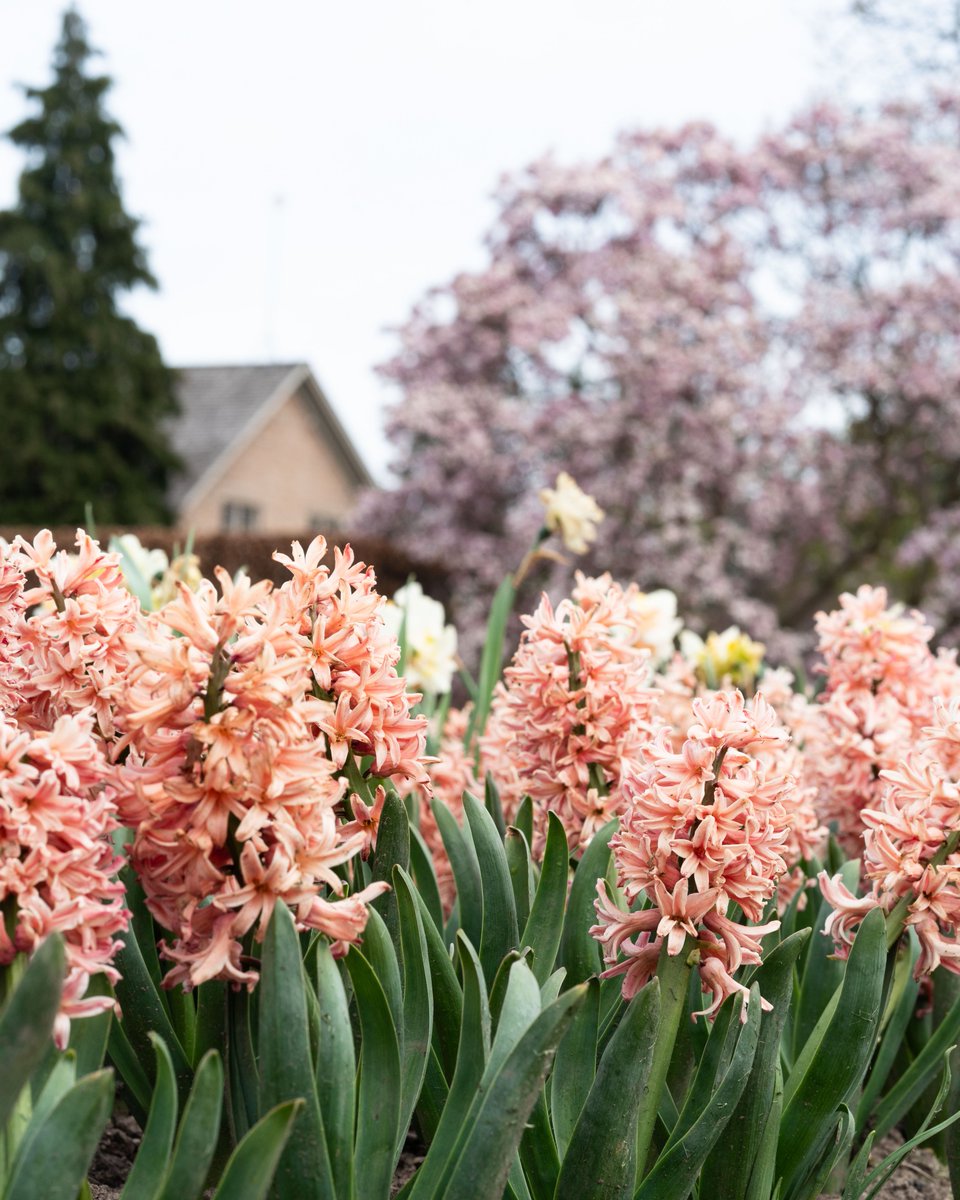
[836,1150]
[822,972]
[731,1164]
[600,1161]
[882,1172]
[26,1021]
[544,928]
[484,1160]
[211,1019]
[538,1153]
[378,1107]
[680,1162]
[242,1070]
[520,1008]
[64,1143]
[762,1176]
[392,850]
[574,1068]
[336,1069]
[901,1007]
[499,933]
[144,1007]
[421,867]
[447,994]
[474,1047]
[382,953]
[836,1069]
[523,819]
[491,800]
[138,1089]
[417,1000]
[580,952]
[28,1118]
[252,1165]
[466,870]
[286,1066]
[913,1082]
[518,863]
[198,1132]
[153,1157]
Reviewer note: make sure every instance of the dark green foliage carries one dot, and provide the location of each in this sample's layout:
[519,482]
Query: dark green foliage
[83,390]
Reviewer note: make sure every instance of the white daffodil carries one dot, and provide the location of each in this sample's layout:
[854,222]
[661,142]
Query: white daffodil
[431,644]
[655,614]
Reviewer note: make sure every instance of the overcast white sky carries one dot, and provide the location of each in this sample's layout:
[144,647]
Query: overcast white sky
[306,169]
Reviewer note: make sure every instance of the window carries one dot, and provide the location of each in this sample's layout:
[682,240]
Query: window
[237,517]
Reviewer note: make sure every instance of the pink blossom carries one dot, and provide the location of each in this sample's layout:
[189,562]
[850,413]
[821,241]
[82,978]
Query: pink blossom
[702,830]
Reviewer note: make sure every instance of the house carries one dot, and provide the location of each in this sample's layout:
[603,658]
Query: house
[262,451]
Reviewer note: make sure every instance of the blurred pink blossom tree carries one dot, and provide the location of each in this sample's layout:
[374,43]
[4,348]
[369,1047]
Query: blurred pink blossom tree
[748,356]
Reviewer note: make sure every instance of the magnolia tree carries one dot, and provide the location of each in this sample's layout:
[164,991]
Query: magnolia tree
[748,356]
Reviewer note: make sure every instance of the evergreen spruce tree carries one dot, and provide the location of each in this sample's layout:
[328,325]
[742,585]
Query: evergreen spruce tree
[84,392]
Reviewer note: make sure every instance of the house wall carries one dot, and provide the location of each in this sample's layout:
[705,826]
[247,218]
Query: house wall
[289,473]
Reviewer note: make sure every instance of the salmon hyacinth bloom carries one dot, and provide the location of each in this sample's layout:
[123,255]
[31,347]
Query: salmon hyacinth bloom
[244,710]
[574,711]
[70,632]
[703,831]
[910,850]
[57,866]
[881,683]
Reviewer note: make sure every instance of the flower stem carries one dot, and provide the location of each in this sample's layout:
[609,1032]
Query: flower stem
[673,971]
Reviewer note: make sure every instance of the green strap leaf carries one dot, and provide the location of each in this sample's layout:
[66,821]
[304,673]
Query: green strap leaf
[252,1165]
[145,1180]
[378,1108]
[417,1000]
[64,1143]
[575,1068]
[466,870]
[447,994]
[392,850]
[731,1165]
[381,952]
[286,1065]
[913,1082]
[580,953]
[26,1021]
[544,928]
[484,1160]
[679,1165]
[473,1050]
[518,863]
[421,867]
[822,972]
[600,1161]
[836,1068]
[198,1132]
[336,1069]
[499,934]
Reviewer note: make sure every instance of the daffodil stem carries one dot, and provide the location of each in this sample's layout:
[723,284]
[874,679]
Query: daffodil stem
[673,972]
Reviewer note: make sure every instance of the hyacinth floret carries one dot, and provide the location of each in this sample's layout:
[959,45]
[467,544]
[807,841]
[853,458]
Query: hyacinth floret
[911,857]
[57,866]
[245,709]
[881,683]
[71,629]
[701,843]
[574,710]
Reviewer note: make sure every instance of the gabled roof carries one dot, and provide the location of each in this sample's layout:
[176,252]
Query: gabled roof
[222,410]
